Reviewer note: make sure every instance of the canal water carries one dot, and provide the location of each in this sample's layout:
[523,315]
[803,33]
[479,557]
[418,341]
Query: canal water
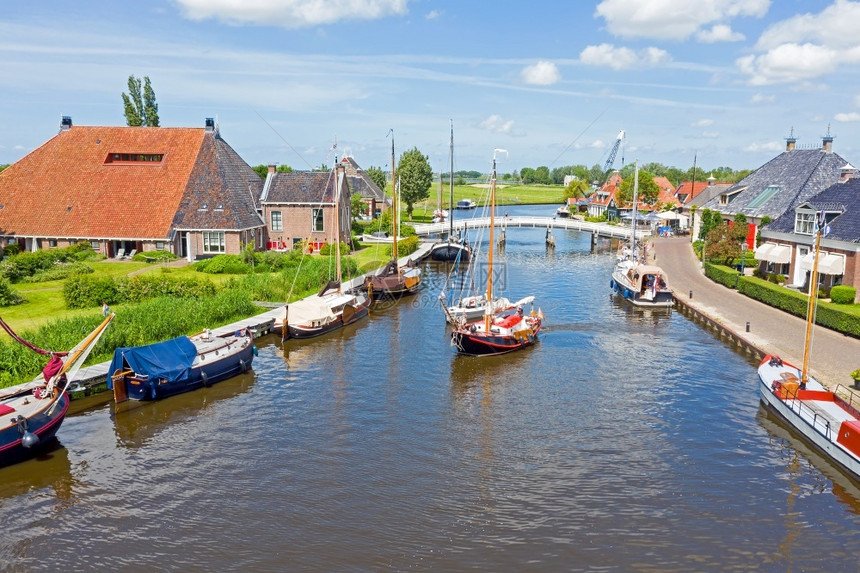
[626,440]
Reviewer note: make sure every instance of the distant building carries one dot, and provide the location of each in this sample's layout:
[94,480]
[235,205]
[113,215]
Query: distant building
[124,189]
[299,206]
[359,182]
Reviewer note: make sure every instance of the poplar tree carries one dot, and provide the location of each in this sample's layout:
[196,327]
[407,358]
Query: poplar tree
[141,108]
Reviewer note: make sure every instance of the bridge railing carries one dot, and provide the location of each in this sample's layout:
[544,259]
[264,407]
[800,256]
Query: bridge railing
[601,229]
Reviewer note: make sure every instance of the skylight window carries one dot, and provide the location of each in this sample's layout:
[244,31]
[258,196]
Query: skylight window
[135,158]
[764,196]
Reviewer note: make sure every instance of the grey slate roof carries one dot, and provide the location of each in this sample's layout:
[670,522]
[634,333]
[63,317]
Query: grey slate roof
[222,191]
[707,194]
[309,187]
[801,173]
[361,183]
[841,197]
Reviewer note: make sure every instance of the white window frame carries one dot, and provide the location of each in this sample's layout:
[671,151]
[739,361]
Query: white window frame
[804,222]
[214,242]
[318,216]
[277,221]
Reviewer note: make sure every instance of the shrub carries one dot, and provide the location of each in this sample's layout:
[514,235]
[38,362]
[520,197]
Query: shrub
[154,256]
[223,264]
[60,272]
[11,249]
[328,250]
[83,291]
[86,292]
[8,296]
[843,294]
[405,247]
[28,263]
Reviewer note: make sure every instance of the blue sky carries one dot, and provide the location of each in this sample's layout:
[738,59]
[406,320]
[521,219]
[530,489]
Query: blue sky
[552,82]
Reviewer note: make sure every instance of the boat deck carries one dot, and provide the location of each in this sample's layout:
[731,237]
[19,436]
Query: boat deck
[829,411]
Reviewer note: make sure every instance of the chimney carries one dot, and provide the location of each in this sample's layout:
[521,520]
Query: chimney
[790,141]
[210,125]
[711,180]
[271,168]
[66,123]
[847,172]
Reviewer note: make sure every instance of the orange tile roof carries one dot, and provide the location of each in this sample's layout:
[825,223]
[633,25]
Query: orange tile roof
[65,188]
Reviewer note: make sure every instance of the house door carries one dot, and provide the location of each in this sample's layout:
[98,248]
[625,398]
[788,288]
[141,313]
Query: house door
[183,244]
[800,274]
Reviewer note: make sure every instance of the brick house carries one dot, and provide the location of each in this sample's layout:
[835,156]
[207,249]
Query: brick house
[124,189]
[299,206]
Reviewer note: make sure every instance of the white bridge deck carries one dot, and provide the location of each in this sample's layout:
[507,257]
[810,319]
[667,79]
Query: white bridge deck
[599,229]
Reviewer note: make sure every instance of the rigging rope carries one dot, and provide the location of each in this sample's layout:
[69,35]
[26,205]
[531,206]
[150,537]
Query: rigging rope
[29,345]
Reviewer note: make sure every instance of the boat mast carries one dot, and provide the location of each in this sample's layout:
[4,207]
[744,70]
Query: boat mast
[811,303]
[394,201]
[337,217]
[635,204]
[488,313]
[451,176]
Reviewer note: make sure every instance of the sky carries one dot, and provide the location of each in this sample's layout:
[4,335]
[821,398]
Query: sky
[718,82]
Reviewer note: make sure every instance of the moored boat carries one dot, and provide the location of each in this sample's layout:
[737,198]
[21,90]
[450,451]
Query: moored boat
[466,204]
[496,333]
[825,418]
[32,413]
[452,250]
[179,365]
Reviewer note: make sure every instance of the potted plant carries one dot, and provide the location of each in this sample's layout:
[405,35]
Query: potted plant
[855,375]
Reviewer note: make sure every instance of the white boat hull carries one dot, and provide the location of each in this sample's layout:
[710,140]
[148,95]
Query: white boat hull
[818,428]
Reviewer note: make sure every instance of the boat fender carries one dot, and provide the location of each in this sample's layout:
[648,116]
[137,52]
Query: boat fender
[28,439]
[611,283]
[626,293]
[205,378]
[473,329]
[254,351]
[243,366]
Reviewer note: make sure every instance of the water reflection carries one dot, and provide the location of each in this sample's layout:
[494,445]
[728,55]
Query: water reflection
[50,471]
[137,423]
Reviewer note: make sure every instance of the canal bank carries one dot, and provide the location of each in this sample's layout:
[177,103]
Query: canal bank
[755,326]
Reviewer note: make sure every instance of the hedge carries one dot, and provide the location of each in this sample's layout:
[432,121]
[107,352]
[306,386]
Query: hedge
[84,291]
[828,314]
[405,247]
[726,276]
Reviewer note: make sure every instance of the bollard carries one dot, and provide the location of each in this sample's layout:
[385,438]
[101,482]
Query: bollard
[691,294]
[748,326]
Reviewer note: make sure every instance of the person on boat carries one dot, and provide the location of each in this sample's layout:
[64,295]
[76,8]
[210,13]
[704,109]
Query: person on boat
[105,309]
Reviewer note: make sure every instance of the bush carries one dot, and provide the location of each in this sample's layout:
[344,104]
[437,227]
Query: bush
[86,292]
[328,250]
[83,291]
[26,264]
[60,272]
[843,294]
[8,296]
[11,249]
[154,256]
[223,264]
[405,247]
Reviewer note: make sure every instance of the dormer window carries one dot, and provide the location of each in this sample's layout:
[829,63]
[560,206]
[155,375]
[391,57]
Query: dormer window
[203,207]
[134,158]
[804,222]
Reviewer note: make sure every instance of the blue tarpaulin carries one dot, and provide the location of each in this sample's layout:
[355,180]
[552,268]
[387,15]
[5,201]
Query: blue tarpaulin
[170,360]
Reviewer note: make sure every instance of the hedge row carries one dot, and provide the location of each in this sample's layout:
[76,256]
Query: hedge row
[405,247]
[726,276]
[85,291]
[829,315]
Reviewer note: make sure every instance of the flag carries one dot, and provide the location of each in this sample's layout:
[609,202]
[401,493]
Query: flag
[540,314]
[821,225]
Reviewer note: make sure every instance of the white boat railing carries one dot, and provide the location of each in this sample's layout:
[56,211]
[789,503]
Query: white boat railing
[600,229]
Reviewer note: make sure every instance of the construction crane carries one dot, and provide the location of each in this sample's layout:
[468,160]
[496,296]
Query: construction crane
[612,153]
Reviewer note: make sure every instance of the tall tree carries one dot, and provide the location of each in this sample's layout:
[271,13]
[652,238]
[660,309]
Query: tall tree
[415,176]
[140,107]
[648,190]
[377,175]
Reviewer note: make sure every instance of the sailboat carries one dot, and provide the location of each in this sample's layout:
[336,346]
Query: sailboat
[825,418]
[393,280]
[495,333]
[31,413]
[639,283]
[331,308]
[451,250]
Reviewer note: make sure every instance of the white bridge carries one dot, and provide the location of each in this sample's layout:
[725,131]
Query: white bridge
[596,229]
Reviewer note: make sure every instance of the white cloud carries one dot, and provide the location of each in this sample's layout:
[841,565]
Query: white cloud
[433,14]
[291,13]
[769,146]
[622,58]
[762,98]
[857,100]
[597,144]
[702,123]
[806,46]
[542,73]
[846,117]
[677,19]
[496,124]
[710,134]
[719,33]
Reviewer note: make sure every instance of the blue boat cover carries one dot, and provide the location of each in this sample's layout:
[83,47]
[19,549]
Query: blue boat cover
[170,360]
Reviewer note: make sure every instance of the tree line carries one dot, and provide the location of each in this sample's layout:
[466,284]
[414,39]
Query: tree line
[545,176]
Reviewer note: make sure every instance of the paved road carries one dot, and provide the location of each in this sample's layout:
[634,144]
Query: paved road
[834,355]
